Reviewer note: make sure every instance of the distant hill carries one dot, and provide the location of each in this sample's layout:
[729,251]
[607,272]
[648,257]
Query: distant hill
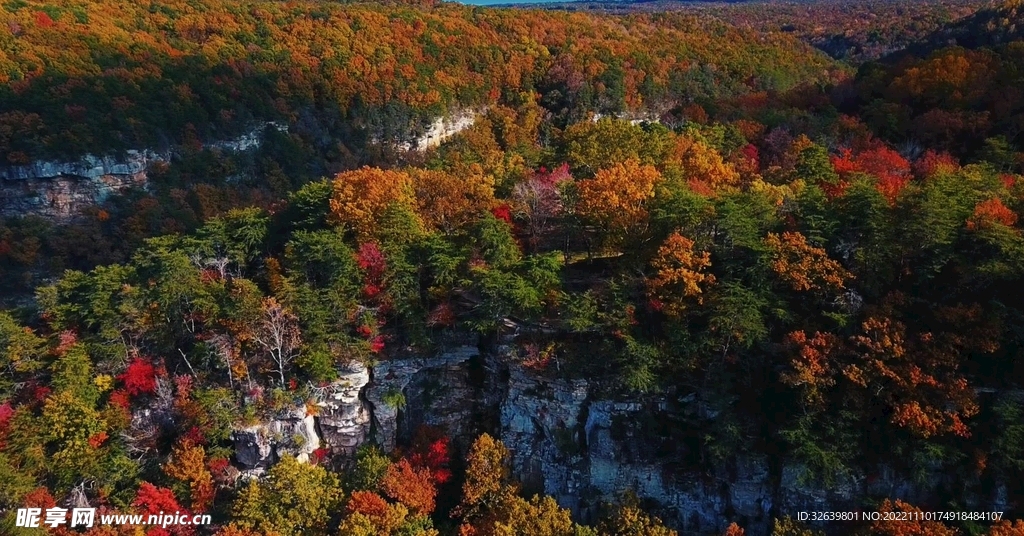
[994,25]
[858,31]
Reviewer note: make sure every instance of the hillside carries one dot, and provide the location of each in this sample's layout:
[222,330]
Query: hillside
[997,24]
[418,269]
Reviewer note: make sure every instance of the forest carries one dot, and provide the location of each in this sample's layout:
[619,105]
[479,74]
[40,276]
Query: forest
[754,253]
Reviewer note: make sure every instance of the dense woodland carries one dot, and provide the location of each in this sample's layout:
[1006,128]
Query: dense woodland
[827,257]
[851,31]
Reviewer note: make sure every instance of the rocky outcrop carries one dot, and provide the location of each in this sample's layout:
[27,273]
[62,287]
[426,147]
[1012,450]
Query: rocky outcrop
[292,433]
[344,417]
[88,167]
[62,197]
[436,390]
[441,129]
[60,190]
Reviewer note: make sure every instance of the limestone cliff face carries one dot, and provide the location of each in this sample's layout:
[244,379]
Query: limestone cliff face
[441,129]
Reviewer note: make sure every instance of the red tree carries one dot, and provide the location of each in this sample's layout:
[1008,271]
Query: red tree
[139,377]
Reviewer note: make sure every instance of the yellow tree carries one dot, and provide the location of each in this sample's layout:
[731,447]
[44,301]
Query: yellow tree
[680,275]
[803,266]
[188,464]
[362,196]
[617,199]
[486,475]
[629,519]
[448,202]
[786,526]
[702,166]
[490,504]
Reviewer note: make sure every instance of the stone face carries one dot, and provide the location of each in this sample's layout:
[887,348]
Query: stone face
[88,167]
[59,190]
[63,197]
[344,417]
[436,390]
[442,128]
[293,434]
[253,447]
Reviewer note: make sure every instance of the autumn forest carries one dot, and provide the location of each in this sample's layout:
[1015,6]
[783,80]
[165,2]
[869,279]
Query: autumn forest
[418,268]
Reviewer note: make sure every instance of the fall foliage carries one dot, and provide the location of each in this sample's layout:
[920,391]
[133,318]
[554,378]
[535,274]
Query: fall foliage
[362,196]
[626,255]
[616,200]
[680,275]
[803,266]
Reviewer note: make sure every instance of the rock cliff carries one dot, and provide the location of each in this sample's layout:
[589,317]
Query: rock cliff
[564,440]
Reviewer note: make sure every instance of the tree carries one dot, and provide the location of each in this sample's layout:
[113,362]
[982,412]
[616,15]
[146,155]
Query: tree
[449,203]
[369,469]
[989,212]
[410,486]
[804,267]
[734,530]
[890,170]
[908,527]
[368,514]
[617,199]
[786,526]
[918,379]
[592,146]
[487,474]
[188,464]
[680,275]
[628,519]
[294,500]
[236,237]
[1007,528]
[361,197]
[70,424]
[538,199]
[812,367]
[20,352]
[814,166]
[140,377]
[277,333]
[702,167]
[491,507]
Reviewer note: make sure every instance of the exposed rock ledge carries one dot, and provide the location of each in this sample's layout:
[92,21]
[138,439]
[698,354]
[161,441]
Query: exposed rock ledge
[442,128]
[60,190]
[63,197]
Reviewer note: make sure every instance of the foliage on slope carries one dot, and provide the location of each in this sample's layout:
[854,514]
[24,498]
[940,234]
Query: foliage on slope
[80,76]
[748,273]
